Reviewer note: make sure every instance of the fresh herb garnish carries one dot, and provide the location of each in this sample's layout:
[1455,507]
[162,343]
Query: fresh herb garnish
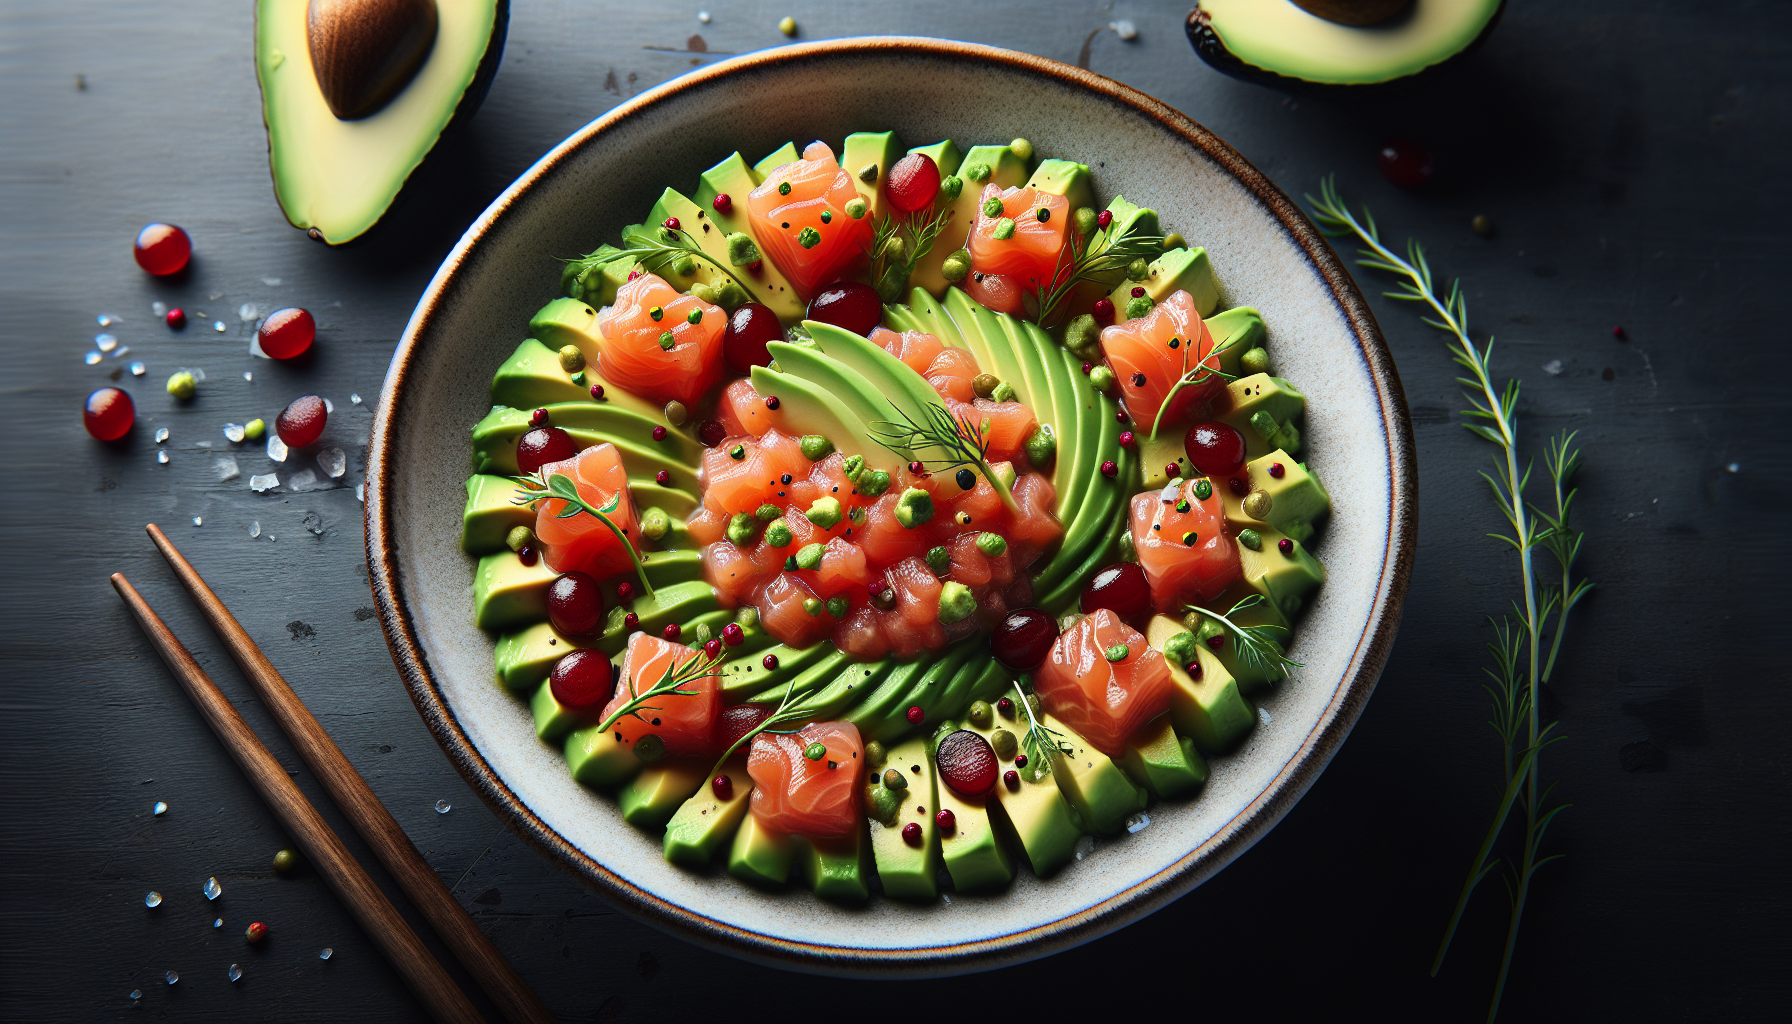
[654,249]
[961,442]
[1258,648]
[1194,376]
[918,235]
[1519,668]
[1080,261]
[560,486]
[1038,743]
[670,685]
[780,715]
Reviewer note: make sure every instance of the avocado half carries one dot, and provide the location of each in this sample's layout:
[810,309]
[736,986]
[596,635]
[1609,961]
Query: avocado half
[1279,44]
[334,177]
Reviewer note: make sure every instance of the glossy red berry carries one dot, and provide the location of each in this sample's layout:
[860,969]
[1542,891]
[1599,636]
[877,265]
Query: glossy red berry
[108,414]
[162,249]
[286,333]
[1110,468]
[1006,706]
[1285,546]
[1277,470]
[672,224]
[1104,218]
[770,661]
[750,328]
[663,478]
[576,604]
[1020,760]
[527,555]
[1022,640]
[625,592]
[659,433]
[722,786]
[539,418]
[177,319]
[1214,449]
[1120,587]
[712,649]
[256,932]
[722,203]
[1138,292]
[911,833]
[631,622]
[967,763]
[772,403]
[597,392]
[1172,470]
[1238,486]
[733,635]
[1011,778]
[672,631]
[915,715]
[1404,163]
[541,446]
[1104,309]
[1127,440]
[302,422]
[848,305]
[946,820]
[913,182]
[581,679]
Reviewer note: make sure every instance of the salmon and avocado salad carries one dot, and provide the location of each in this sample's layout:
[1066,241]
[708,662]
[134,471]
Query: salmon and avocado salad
[887,518]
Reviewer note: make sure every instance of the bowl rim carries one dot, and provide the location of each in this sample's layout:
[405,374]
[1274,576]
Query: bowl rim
[386,569]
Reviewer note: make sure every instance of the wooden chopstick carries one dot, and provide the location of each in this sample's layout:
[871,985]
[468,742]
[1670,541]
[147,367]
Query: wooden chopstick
[515,1000]
[428,980]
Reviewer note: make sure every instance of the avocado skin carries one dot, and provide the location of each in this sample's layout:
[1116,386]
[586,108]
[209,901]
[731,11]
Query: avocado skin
[1208,46]
[465,108]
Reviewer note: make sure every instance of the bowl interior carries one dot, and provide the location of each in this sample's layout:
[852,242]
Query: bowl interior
[1264,255]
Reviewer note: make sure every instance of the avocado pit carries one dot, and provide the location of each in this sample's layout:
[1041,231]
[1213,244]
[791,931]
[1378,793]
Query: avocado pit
[364,52]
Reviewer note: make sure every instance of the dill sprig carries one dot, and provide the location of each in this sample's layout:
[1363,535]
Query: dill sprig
[560,486]
[1519,668]
[1258,647]
[1038,743]
[1080,261]
[1199,373]
[654,250]
[919,234]
[671,684]
[960,442]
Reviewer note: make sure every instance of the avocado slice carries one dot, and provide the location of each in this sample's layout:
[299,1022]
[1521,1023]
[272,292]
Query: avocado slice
[703,823]
[532,378]
[1163,763]
[508,593]
[525,656]
[785,154]
[490,514]
[1205,704]
[555,721]
[971,849]
[595,279]
[835,868]
[1064,178]
[864,150]
[335,179]
[1100,793]
[1297,498]
[710,230]
[604,421]
[909,872]
[734,179]
[760,856]
[806,407]
[747,678]
[1032,816]
[1285,47]
[1006,170]
[678,602]
[601,760]
[1179,270]
[653,796]
[1264,410]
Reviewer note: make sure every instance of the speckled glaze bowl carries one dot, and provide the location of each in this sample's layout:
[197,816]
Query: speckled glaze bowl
[1265,254]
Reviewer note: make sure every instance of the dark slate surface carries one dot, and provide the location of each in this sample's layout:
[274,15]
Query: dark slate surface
[1634,158]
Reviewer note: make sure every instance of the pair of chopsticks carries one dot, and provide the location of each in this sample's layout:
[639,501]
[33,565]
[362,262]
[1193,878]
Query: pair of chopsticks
[426,976]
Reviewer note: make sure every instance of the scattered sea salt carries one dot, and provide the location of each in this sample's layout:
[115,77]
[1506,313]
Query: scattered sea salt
[361,492]
[162,457]
[248,375]
[234,432]
[92,358]
[202,444]
[1734,467]
[247,311]
[703,16]
[105,342]
[212,889]
[138,369]
[443,807]
[198,520]
[227,468]
[354,399]
[303,480]
[332,462]
[123,350]
[154,899]
[159,809]
[314,523]
[159,308]
[161,434]
[326,954]
[218,325]
[276,447]
[1553,367]
[271,282]
[172,977]
[1125,30]
[1138,822]
[254,528]
[198,374]
[136,993]
[234,973]
[261,483]
[219,923]
[106,319]
[1084,847]
[1263,714]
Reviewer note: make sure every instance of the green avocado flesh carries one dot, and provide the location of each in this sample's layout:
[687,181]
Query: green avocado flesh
[843,389]
[1284,39]
[336,178]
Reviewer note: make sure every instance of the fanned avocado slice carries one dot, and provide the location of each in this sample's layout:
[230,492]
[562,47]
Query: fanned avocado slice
[336,178]
[1310,45]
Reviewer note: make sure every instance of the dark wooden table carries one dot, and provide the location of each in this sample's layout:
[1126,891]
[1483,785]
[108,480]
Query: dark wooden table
[1635,160]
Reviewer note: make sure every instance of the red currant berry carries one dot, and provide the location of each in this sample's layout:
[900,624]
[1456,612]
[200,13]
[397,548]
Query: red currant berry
[1022,640]
[575,604]
[1238,487]
[1138,292]
[671,632]
[722,786]
[1214,449]
[1127,440]
[1217,642]
[1020,760]
[848,305]
[539,418]
[631,622]
[663,478]
[1285,546]
[286,333]
[712,649]
[1121,588]
[770,661]
[733,635]
[1109,468]
[946,820]
[1277,470]
[1404,163]
[672,224]
[750,328]
[1006,706]
[527,555]
[1172,470]
[581,679]
[162,249]
[1104,308]
[541,446]
[597,392]
[1012,779]
[302,422]
[177,319]
[659,433]
[915,715]
[722,203]
[913,182]
[772,403]
[108,414]
[1104,218]
[911,833]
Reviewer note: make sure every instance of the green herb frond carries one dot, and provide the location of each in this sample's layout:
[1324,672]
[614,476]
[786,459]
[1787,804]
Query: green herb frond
[559,486]
[1258,646]
[1081,261]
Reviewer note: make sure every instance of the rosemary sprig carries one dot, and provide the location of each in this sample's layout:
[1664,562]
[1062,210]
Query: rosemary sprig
[655,249]
[560,486]
[1258,648]
[1080,261]
[1038,743]
[670,685]
[1519,669]
[780,715]
[961,442]
[1200,373]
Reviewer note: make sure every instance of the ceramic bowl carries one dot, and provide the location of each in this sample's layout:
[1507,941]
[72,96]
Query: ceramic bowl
[1265,254]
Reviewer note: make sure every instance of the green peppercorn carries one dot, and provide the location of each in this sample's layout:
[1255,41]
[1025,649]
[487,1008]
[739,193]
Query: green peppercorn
[883,804]
[874,753]
[182,385]
[738,452]
[815,751]
[747,617]
[992,207]
[992,544]
[1102,379]
[684,266]
[1004,229]
[1203,489]
[1022,149]
[957,266]
[650,748]
[1255,361]
[1082,336]
[1004,743]
[742,250]
[676,413]
[815,447]
[838,607]
[939,559]
[984,383]
[827,216]
[980,714]
[286,860]
[894,779]
[857,514]
[667,341]
[1173,240]
[957,603]
[695,316]
[914,507]
[868,173]
[809,556]
[783,188]
[977,172]
[1085,220]
[741,529]
[572,360]
[1138,307]
[808,238]
[1257,505]
[857,208]
[1118,652]
[519,537]
[655,523]
[1181,648]
[891,282]
[1043,214]
[1251,539]
[767,512]
[254,430]
[853,466]
[812,605]
[875,483]
[656,313]
[894,247]
[825,512]
[951,186]
[1042,446]
[777,534]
